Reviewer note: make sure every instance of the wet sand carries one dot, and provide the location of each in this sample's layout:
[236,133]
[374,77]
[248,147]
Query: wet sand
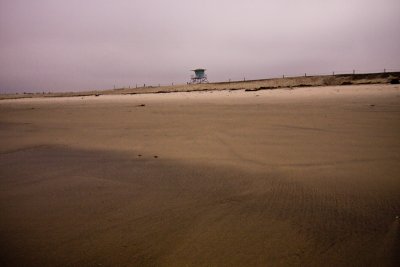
[306,177]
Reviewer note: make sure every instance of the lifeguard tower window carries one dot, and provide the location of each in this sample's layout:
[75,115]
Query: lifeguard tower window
[199,76]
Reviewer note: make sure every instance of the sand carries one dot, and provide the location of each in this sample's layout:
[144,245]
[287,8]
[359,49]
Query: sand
[308,177]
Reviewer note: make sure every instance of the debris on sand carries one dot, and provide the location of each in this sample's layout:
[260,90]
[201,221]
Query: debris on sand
[261,88]
[141,105]
[347,83]
[394,81]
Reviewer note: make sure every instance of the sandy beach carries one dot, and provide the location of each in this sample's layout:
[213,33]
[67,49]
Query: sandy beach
[288,177]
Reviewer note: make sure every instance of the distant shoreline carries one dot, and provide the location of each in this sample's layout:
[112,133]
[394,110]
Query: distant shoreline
[248,85]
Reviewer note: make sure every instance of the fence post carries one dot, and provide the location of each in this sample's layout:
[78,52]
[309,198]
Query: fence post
[305,74]
[283,76]
[333,73]
[354,72]
[384,70]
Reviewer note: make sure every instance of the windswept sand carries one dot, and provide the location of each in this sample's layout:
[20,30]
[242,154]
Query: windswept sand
[306,177]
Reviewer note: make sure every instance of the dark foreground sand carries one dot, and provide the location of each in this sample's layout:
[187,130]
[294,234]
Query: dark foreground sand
[307,177]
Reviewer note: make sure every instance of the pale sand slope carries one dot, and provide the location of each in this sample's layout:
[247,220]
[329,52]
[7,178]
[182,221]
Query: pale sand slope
[307,177]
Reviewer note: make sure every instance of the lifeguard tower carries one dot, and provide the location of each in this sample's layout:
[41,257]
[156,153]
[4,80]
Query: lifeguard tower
[199,76]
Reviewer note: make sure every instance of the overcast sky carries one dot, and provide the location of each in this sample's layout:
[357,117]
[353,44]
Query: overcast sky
[71,45]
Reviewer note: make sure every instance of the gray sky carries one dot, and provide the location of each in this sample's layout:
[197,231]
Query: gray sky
[55,45]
